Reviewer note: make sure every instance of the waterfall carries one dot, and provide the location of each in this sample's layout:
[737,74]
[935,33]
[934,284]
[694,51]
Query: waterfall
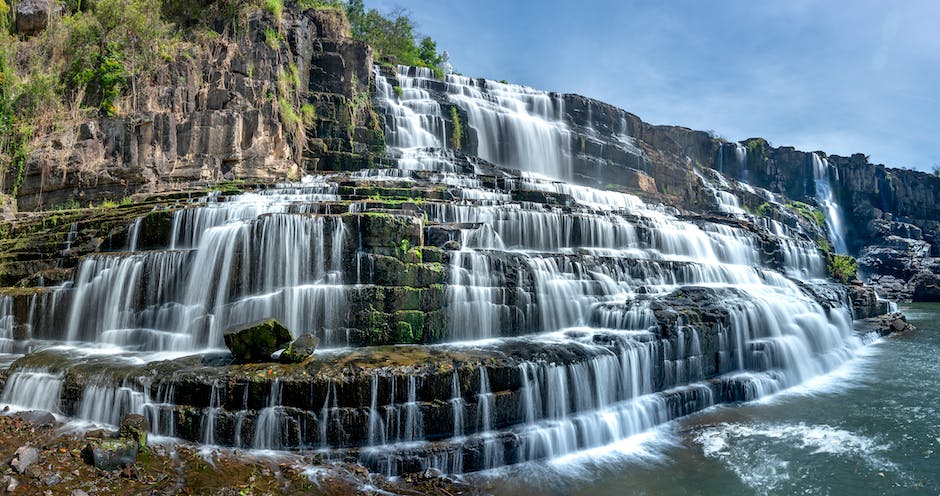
[827,202]
[740,156]
[557,317]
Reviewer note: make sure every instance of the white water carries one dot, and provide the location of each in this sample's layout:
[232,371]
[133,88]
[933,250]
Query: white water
[827,201]
[568,292]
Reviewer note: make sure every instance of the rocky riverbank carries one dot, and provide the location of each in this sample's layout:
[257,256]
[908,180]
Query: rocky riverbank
[42,456]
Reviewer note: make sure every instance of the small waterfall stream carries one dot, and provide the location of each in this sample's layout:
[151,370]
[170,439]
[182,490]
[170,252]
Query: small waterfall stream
[827,201]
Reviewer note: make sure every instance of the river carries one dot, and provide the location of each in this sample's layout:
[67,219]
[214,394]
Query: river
[872,427]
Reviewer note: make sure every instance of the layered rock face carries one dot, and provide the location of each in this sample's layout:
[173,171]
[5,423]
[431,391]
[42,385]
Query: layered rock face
[474,305]
[230,111]
[890,215]
[517,275]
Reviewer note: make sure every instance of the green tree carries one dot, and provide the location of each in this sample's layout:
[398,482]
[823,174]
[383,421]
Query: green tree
[427,52]
[392,36]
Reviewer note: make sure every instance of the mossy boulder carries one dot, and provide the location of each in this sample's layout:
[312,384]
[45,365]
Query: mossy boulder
[255,342]
[110,453]
[135,427]
[300,349]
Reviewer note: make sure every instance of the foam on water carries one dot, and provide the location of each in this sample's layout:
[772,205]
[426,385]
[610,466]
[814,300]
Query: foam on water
[761,455]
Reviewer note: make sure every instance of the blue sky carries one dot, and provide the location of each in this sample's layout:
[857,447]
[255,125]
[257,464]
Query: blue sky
[839,76]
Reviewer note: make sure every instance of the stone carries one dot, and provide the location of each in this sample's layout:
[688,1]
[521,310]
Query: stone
[88,130]
[300,349]
[24,457]
[257,341]
[32,16]
[134,427]
[111,454]
[39,418]
[52,480]
[78,492]
[9,483]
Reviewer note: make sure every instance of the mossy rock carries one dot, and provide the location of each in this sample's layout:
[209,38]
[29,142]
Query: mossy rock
[111,454]
[300,349]
[255,342]
[135,427]
[413,321]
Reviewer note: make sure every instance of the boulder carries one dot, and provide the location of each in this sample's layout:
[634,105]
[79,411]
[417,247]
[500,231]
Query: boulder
[134,427]
[39,418]
[892,323]
[24,457]
[32,16]
[255,342]
[111,454]
[300,349]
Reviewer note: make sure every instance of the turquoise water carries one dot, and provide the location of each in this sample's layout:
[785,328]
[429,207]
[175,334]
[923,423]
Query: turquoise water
[873,427]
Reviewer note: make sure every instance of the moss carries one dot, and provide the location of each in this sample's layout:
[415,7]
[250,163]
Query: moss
[413,321]
[377,327]
[809,213]
[456,136]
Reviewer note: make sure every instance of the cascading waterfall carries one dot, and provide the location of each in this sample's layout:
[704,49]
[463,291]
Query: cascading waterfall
[827,201]
[574,317]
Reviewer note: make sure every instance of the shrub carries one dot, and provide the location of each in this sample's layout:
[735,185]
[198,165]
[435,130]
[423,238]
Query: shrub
[842,268]
[308,113]
[764,209]
[275,8]
[273,38]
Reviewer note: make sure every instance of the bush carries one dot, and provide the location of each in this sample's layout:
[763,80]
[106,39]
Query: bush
[764,209]
[273,38]
[842,268]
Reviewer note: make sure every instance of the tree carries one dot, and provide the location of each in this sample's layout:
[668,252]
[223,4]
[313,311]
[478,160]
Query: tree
[427,52]
[392,36]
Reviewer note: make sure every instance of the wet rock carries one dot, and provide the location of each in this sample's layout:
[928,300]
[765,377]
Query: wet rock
[134,427]
[111,454]
[24,457]
[255,342]
[886,324]
[39,418]
[865,303]
[300,349]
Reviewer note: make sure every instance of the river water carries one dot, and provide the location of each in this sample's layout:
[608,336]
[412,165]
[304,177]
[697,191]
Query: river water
[872,427]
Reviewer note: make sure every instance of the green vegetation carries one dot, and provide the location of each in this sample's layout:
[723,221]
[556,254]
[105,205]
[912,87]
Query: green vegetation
[275,8]
[273,38]
[398,91]
[393,37]
[94,57]
[456,138]
[809,213]
[764,209]
[842,268]
[308,113]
